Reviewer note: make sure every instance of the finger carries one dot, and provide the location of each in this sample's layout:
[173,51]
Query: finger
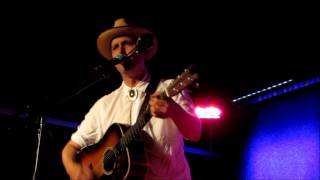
[152,111]
[161,103]
[151,102]
[155,95]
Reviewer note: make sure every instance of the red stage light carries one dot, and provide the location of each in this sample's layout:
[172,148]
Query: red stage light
[208,112]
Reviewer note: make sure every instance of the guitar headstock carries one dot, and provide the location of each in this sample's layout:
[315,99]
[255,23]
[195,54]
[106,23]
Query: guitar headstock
[182,81]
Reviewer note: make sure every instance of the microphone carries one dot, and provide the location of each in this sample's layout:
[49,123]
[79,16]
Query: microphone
[119,58]
[144,42]
[122,58]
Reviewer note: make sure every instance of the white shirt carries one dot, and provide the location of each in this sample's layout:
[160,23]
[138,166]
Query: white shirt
[166,156]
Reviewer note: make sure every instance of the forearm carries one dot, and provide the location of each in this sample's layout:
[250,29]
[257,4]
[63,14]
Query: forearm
[69,157]
[189,126]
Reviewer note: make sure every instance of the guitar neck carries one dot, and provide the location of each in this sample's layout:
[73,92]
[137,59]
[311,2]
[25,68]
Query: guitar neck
[133,131]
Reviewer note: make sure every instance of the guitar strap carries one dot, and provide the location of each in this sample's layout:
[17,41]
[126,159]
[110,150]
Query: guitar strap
[152,86]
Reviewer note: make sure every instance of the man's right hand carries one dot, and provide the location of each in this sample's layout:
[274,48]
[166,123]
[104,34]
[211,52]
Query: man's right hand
[80,172]
[75,169]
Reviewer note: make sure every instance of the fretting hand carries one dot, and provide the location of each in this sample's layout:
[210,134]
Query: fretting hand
[160,107]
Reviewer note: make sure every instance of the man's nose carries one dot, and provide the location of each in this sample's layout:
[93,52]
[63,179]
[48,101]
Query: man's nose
[123,50]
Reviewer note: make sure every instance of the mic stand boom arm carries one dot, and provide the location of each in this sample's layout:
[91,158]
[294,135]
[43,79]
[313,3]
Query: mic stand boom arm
[61,101]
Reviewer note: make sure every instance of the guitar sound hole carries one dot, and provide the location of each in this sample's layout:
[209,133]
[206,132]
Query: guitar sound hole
[109,161]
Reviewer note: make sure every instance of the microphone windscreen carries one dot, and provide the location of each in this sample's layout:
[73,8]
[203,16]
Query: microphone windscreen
[119,58]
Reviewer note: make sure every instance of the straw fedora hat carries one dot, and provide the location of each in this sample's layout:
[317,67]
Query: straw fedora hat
[121,27]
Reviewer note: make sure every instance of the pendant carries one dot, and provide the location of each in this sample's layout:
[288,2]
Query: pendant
[133,94]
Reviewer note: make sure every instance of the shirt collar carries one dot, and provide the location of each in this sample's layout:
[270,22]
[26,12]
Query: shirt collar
[139,88]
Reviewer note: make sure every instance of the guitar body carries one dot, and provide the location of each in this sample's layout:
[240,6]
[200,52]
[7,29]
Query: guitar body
[106,164]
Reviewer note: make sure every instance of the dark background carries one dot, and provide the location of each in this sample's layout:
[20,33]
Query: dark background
[48,54]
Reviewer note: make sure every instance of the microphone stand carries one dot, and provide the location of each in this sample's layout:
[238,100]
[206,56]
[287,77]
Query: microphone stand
[38,148]
[63,100]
